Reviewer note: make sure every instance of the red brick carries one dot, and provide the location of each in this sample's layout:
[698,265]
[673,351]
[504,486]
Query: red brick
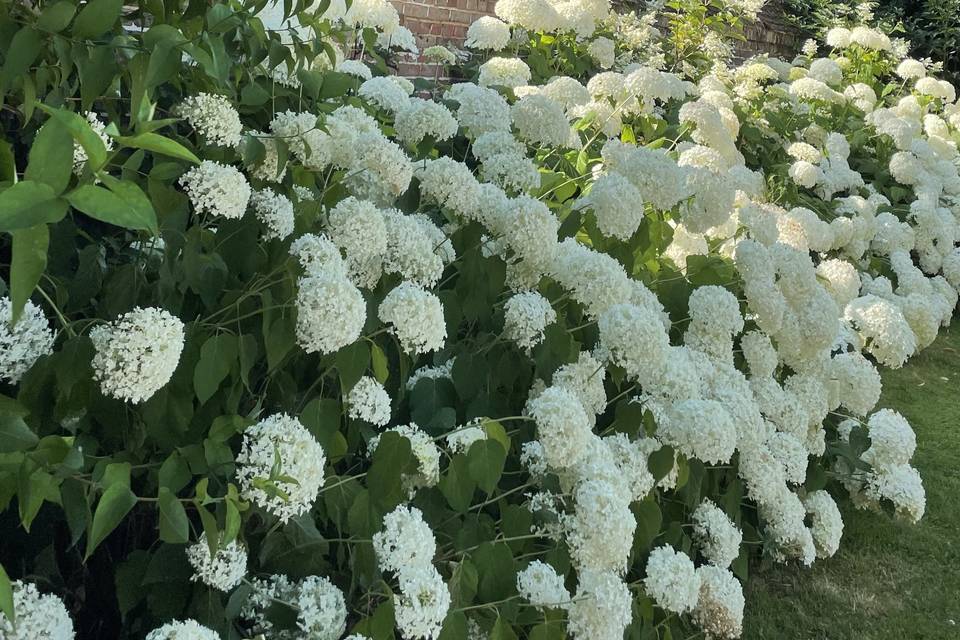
[461,16]
[438,14]
[416,10]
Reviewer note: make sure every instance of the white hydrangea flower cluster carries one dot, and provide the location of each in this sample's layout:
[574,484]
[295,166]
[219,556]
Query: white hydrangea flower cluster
[137,353]
[424,450]
[827,523]
[891,478]
[224,570]
[488,33]
[24,343]
[461,439]
[525,318]
[384,93]
[718,538]
[217,189]
[541,586]
[37,615]
[319,604]
[406,546]
[331,310]
[416,316]
[672,580]
[719,610]
[213,117]
[504,72]
[421,118]
[280,442]
[274,211]
[369,401]
[183,630]
[601,607]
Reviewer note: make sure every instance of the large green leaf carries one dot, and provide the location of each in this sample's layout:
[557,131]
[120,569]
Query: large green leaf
[49,161]
[159,144]
[29,203]
[217,357]
[96,18]
[456,485]
[28,260]
[6,595]
[15,435]
[174,524]
[107,205]
[485,461]
[390,458]
[20,54]
[81,131]
[34,486]
[8,164]
[57,16]
[502,631]
[114,505]
[351,362]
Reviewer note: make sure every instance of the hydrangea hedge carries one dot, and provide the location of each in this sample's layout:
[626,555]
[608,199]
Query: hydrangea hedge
[293,348]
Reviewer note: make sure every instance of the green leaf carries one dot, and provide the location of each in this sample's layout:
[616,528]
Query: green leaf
[107,206]
[23,50]
[497,571]
[29,203]
[661,462]
[390,458]
[56,17]
[210,531]
[97,71]
[76,510]
[336,84]
[28,260]
[174,473]
[351,362]
[232,522]
[8,164]
[278,340]
[114,505]
[454,627]
[551,630]
[159,144]
[456,485]
[96,18]
[33,487]
[463,584]
[495,431]
[502,631]
[49,163]
[6,595]
[485,461]
[15,435]
[174,525]
[144,217]
[649,519]
[164,62]
[217,357]
[381,369]
[81,131]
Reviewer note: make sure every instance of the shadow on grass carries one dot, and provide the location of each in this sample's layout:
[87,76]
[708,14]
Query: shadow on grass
[889,580]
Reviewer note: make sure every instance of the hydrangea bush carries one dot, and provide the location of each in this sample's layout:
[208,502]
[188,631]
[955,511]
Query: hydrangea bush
[293,348]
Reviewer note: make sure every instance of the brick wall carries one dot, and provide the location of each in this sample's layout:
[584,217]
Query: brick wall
[437,22]
[446,21]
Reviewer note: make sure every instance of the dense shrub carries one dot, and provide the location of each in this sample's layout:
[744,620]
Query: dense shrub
[930,28]
[293,349]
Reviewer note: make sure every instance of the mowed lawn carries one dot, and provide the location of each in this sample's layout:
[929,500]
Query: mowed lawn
[889,580]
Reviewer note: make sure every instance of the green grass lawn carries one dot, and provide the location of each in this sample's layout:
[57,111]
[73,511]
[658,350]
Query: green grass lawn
[889,580]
